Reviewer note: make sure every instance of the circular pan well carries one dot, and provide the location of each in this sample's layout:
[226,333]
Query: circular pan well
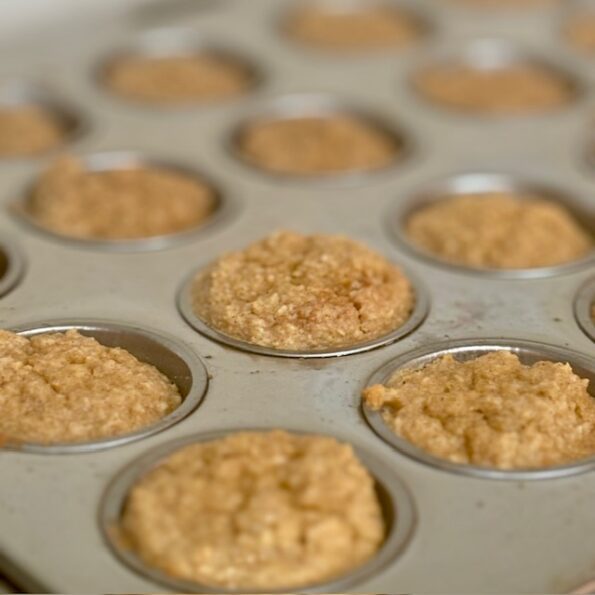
[420,311]
[397,505]
[11,266]
[584,308]
[488,54]
[318,105]
[121,160]
[178,42]
[482,183]
[529,352]
[17,94]
[170,357]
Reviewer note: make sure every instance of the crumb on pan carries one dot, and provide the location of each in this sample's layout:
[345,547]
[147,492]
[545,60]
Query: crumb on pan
[318,145]
[291,291]
[365,27]
[28,130]
[65,387]
[511,89]
[118,204]
[178,79]
[491,411]
[500,231]
[255,510]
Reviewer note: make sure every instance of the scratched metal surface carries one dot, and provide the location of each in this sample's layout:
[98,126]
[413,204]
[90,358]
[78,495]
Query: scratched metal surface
[472,534]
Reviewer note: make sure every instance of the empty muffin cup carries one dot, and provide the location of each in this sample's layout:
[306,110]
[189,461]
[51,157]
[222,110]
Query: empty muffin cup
[494,78]
[584,308]
[496,225]
[175,68]
[11,266]
[125,358]
[34,122]
[538,370]
[121,201]
[351,26]
[316,137]
[393,502]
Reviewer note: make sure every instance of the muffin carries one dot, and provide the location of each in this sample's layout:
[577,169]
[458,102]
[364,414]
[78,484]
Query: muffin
[499,230]
[513,89]
[491,411]
[68,388]
[317,145]
[29,130]
[295,292]
[171,80]
[354,28]
[255,511]
[131,203]
[580,31]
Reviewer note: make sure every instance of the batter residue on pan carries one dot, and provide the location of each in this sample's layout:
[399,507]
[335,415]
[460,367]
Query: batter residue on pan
[28,130]
[65,387]
[499,231]
[509,89]
[178,79]
[354,27]
[318,145]
[255,510]
[491,411]
[291,291]
[580,31]
[118,204]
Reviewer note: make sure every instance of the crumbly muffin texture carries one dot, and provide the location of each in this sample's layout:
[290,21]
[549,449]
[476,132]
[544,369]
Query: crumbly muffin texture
[317,145]
[291,291]
[580,31]
[255,510]
[65,387]
[363,28]
[28,130]
[491,411]
[499,231]
[118,204]
[177,79]
[508,90]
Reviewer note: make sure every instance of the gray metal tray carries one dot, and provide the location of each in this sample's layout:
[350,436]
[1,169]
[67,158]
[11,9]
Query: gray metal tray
[472,533]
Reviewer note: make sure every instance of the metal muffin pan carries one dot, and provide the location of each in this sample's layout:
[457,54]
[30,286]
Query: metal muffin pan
[475,534]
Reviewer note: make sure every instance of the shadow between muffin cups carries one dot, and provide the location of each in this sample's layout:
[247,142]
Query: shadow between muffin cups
[12,266]
[584,308]
[529,352]
[173,359]
[398,510]
[418,315]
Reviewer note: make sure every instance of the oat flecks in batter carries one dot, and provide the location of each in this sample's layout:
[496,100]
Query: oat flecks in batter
[492,411]
[28,130]
[500,231]
[580,31]
[256,510]
[64,387]
[318,145]
[363,28]
[291,291]
[118,204]
[508,90]
[178,79]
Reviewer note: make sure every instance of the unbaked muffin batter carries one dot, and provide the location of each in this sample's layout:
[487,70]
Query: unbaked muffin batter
[499,231]
[317,145]
[292,291]
[508,90]
[178,79]
[491,411]
[354,28]
[118,204]
[580,31]
[65,387]
[255,511]
[29,130]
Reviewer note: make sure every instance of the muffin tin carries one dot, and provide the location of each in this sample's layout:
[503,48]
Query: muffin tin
[473,531]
